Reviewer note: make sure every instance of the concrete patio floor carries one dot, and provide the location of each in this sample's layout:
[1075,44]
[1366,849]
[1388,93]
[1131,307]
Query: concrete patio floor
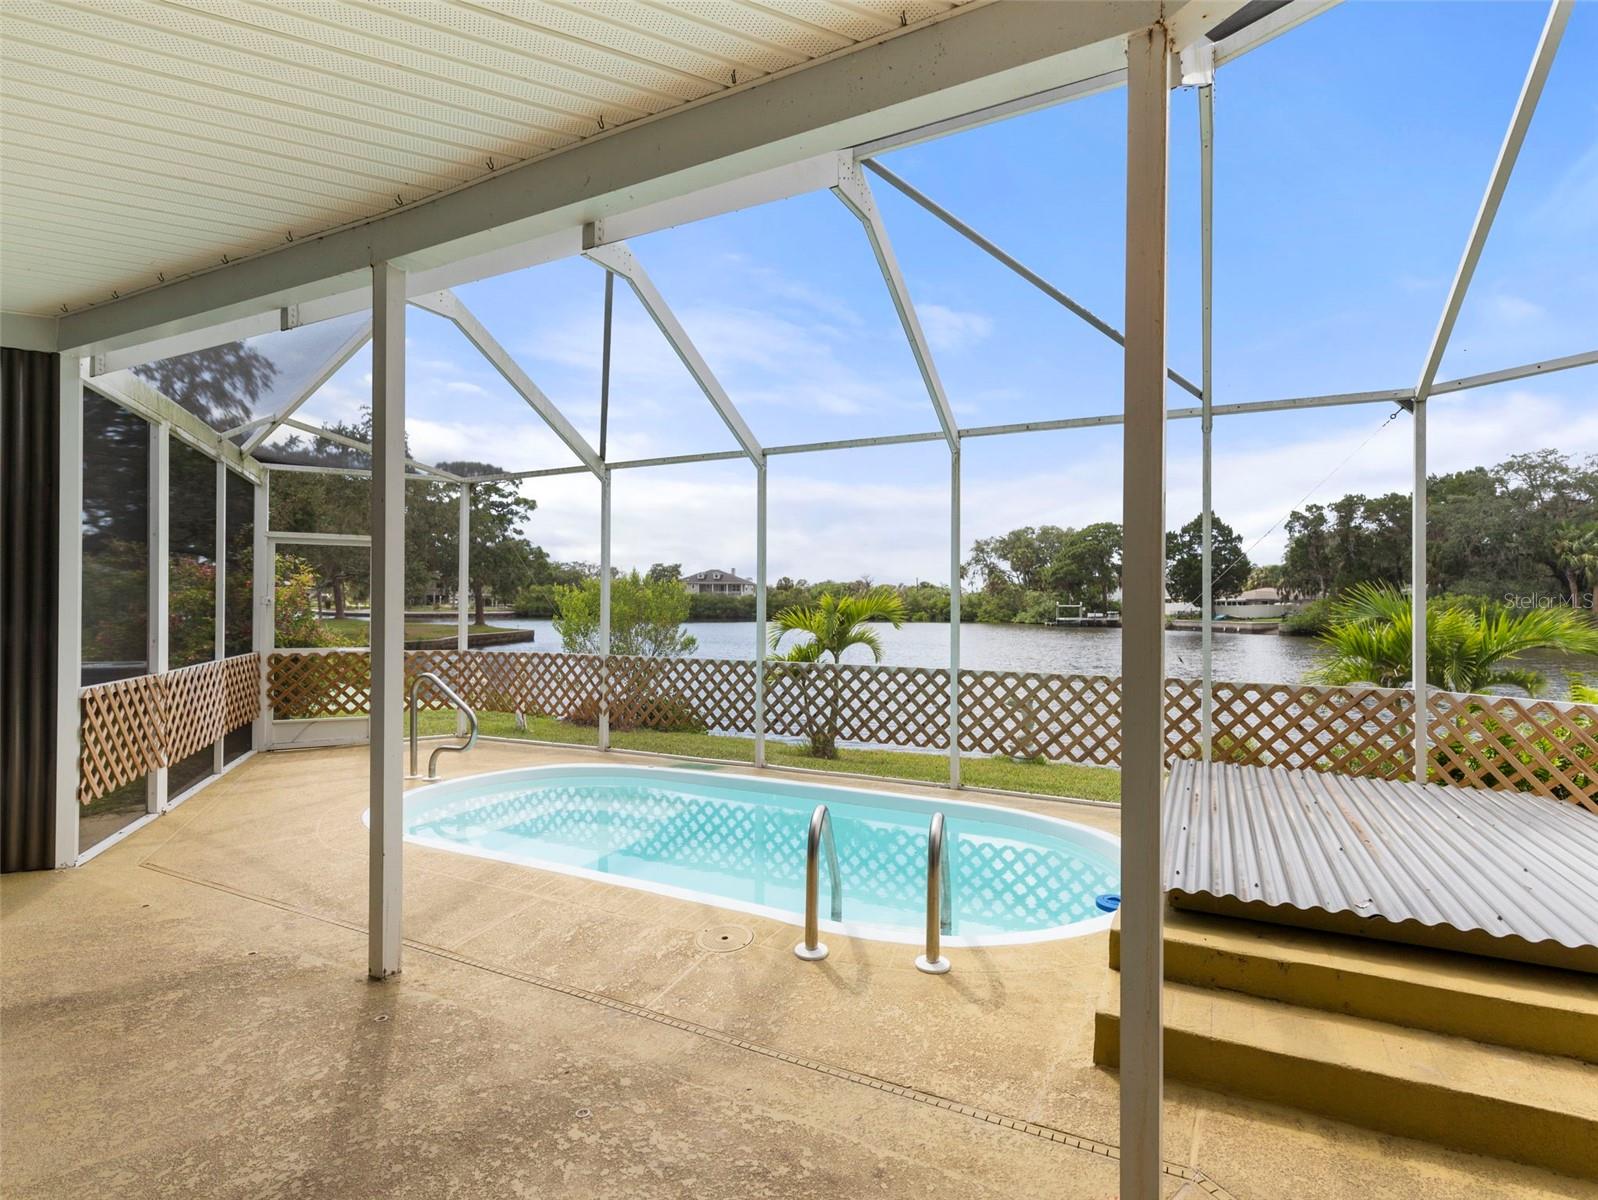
[188,1015]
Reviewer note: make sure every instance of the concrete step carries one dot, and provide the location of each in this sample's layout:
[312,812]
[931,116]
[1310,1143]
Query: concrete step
[1524,1007]
[1511,1104]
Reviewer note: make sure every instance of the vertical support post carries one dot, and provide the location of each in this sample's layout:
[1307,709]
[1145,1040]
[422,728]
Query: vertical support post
[1143,613]
[463,582]
[219,552]
[1206,103]
[1531,90]
[604,610]
[385,772]
[263,628]
[760,610]
[1417,599]
[954,615]
[69,598]
[160,622]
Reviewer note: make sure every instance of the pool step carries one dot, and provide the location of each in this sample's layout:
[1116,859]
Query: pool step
[1522,1007]
[1531,1108]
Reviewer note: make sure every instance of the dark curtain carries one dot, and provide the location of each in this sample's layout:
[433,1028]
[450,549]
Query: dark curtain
[29,492]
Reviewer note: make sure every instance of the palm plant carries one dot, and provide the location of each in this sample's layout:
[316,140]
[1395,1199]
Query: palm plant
[1576,548]
[1466,650]
[834,624]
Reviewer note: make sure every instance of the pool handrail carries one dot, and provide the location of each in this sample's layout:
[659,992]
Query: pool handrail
[813,949]
[454,698]
[939,911]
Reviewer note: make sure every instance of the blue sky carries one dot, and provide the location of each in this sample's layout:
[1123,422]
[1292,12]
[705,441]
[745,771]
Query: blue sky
[1350,158]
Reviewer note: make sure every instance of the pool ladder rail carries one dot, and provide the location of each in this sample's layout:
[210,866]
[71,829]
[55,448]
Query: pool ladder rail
[460,705]
[939,914]
[939,917]
[813,949]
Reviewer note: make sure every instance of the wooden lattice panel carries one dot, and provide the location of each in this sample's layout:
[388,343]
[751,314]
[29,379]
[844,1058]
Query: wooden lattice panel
[131,727]
[195,705]
[1518,745]
[892,706]
[241,690]
[1064,718]
[335,684]
[122,734]
[1350,730]
[668,693]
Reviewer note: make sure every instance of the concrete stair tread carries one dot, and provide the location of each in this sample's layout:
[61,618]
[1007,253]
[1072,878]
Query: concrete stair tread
[1437,969]
[1496,1074]
[1524,1007]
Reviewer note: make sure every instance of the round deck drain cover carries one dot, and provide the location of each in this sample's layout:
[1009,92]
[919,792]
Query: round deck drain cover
[725,938]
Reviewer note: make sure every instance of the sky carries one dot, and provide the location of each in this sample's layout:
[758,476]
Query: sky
[1350,159]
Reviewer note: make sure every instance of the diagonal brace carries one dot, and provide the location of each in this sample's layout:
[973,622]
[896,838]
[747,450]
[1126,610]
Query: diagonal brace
[450,306]
[1016,265]
[856,195]
[618,258]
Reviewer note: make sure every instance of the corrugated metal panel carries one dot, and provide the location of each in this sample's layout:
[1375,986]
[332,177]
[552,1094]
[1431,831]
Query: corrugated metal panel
[143,140]
[1505,864]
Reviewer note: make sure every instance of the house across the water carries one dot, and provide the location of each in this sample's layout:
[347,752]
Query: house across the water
[718,583]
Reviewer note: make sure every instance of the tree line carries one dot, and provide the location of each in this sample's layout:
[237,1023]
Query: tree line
[1522,532]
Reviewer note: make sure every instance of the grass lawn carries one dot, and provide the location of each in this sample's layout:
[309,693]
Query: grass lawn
[1046,779]
[350,631]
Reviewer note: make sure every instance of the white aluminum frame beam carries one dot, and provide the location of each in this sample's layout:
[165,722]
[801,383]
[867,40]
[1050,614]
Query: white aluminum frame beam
[452,308]
[855,193]
[263,627]
[385,890]
[1206,115]
[971,58]
[1195,412]
[1272,25]
[356,444]
[1014,264]
[1531,90]
[1048,98]
[346,351]
[130,392]
[69,609]
[158,629]
[618,258]
[1142,1027]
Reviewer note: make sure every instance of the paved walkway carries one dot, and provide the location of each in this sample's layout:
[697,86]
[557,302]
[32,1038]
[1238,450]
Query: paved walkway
[188,1015]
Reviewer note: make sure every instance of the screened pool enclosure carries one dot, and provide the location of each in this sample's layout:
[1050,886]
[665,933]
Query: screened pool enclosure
[188,417]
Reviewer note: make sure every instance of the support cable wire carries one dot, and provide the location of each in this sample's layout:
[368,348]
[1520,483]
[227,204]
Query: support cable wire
[1352,454]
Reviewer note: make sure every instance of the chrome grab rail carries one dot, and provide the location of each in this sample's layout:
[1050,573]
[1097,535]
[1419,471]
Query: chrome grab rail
[939,919]
[454,698]
[813,949]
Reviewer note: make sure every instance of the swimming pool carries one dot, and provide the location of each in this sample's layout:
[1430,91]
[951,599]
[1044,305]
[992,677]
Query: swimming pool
[727,839]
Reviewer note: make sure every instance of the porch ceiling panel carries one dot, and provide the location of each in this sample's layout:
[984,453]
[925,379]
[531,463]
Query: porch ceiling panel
[145,140]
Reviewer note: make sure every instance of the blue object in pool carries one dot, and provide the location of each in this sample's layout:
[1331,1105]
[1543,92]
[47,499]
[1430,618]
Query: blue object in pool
[1109,902]
[739,842]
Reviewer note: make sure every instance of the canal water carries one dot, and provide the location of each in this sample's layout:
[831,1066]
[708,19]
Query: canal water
[1241,657]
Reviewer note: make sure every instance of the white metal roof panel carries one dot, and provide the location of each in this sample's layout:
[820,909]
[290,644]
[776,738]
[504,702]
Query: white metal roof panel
[143,140]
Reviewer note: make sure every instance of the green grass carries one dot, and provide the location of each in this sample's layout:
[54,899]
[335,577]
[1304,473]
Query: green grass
[350,631]
[1044,779]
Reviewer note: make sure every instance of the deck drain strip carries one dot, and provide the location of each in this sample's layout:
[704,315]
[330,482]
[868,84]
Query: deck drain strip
[1047,1133]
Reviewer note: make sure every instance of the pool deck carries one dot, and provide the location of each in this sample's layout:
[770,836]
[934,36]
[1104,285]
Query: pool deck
[203,1026]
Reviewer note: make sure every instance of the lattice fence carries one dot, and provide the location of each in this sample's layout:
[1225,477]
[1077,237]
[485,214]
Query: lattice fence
[883,706]
[133,726]
[1350,730]
[1513,744]
[1478,741]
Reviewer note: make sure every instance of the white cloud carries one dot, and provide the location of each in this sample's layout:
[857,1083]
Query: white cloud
[951,329]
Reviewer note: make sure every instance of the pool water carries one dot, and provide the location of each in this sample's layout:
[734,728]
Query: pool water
[732,840]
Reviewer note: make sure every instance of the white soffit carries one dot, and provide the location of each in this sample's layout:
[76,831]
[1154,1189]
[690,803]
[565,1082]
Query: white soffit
[145,140]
